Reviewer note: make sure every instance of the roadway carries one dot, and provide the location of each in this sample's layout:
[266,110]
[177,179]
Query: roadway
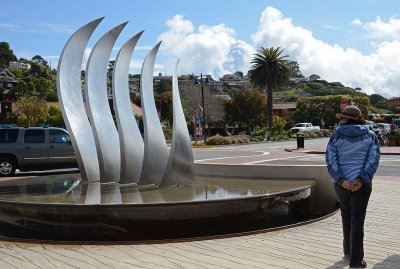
[285,153]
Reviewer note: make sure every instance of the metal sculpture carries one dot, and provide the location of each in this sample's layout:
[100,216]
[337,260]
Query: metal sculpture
[180,168]
[72,107]
[131,141]
[105,133]
[155,148]
[122,156]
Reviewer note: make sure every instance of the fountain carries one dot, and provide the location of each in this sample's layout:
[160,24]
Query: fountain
[131,188]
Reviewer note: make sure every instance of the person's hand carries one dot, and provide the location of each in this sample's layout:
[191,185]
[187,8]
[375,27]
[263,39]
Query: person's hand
[346,185]
[356,185]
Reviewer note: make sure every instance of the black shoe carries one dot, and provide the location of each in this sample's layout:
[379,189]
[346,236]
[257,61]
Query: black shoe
[362,265]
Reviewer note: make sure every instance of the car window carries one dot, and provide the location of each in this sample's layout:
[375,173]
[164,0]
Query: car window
[34,136]
[58,136]
[8,135]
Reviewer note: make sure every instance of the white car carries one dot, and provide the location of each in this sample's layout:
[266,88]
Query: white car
[385,128]
[303,127]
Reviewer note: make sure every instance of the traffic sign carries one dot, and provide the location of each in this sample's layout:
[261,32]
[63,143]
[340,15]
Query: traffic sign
[199,131]
[343,105]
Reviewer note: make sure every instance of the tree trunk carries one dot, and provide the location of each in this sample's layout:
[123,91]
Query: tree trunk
[269,108]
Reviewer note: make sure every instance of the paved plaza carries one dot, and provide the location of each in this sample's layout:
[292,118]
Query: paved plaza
[314,245]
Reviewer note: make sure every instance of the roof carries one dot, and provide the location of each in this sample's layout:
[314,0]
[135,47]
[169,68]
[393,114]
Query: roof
[395,101]
[283,106]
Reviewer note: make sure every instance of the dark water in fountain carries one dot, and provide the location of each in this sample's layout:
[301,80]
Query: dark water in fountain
[62,208]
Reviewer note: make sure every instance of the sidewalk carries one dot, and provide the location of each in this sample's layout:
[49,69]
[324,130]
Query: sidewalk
[316,245]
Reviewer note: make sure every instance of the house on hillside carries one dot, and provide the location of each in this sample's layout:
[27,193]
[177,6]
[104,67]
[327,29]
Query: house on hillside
[20,65]
[395,101]
[7,83]
[279,108]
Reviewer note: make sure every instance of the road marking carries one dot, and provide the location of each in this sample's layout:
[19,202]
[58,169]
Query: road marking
[265,153]
[276,159]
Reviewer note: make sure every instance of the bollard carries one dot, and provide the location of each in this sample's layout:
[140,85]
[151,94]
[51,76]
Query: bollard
[300,140]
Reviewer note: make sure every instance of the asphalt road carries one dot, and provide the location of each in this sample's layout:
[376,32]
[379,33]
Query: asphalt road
[274,153]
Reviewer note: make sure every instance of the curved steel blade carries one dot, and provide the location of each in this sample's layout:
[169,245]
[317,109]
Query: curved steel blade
[104,130]
[131,141]
[72,107]
[180,168]
[156,153]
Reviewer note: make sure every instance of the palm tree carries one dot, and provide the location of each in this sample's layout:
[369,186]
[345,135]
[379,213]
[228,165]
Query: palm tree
[269,70]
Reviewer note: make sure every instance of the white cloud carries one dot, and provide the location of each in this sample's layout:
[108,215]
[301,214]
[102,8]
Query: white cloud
[374,73]
[381,30]
[37,27]
[8,26]
[356,22]
[330,27]
[215,50]
[208,49]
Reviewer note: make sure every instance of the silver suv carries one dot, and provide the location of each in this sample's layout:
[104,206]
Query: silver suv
[36,148]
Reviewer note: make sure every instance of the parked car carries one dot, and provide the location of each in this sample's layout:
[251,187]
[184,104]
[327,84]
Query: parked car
[36,148]
[385,128]
[303,127]
[372,126]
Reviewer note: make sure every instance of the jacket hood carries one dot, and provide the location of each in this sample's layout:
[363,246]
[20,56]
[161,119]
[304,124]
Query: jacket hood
[352,130]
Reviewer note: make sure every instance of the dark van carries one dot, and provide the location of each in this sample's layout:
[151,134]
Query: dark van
[33,149]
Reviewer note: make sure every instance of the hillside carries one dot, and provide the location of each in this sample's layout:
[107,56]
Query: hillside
[314,88]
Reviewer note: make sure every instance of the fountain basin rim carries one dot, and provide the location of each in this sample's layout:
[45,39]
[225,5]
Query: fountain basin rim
[157,204]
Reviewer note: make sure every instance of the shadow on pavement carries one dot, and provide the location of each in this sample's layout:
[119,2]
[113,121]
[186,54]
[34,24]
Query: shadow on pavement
[391,262]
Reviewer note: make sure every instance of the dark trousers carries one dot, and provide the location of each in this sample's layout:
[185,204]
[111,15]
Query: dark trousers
[353,206]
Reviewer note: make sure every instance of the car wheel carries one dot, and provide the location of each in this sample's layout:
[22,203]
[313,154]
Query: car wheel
[7,167]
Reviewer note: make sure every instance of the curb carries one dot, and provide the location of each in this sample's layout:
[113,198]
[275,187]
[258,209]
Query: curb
[323,152]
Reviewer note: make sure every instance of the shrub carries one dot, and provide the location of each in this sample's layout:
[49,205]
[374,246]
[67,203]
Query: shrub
[314,134]
[167,133]
[259,132]
[219,140]
[242,139]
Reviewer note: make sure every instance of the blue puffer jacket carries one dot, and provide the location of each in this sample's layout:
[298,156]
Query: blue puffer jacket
[352,152]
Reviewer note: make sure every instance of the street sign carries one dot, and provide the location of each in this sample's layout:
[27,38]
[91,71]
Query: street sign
[343,105]
[199,131]
[199,120]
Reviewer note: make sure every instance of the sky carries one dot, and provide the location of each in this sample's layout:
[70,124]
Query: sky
[353,42]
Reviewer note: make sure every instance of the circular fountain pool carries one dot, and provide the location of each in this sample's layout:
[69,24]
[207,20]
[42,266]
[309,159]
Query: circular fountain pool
[62,208]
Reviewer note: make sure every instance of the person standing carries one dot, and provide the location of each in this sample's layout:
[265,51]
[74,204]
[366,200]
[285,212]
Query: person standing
[393,128]
[352,157]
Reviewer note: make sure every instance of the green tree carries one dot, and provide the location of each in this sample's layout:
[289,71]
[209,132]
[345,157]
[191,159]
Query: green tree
[376,98]
[164,106]
[31,111]
[38,70]
[6,54]
[246,108]
[163,85]
[314,77]
[55,117]
[269,70]
[317,108]
[39,59]
[239,74]
[295,68]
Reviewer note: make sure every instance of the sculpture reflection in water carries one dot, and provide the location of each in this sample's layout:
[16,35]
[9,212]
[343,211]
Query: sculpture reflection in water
[104,153]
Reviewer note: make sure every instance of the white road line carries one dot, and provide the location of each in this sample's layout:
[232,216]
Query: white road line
[234,157]
[276,159]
